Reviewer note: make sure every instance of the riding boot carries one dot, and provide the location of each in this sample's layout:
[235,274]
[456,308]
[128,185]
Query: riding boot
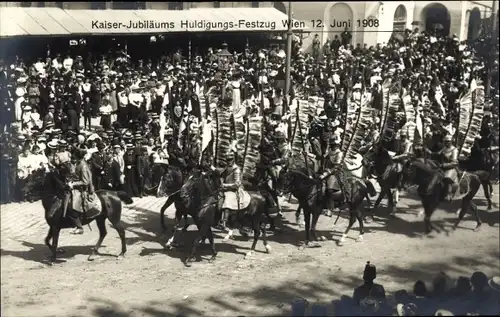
[78,224]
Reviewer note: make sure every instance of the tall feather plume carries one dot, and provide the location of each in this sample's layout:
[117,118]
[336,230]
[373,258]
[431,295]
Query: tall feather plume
[394,102]
[465,104]
[474,125]
[359,127]
[213,97]
[410,115]
[224,112]
[349,129]
[386,86]
[241,140]
[203,105]
[252,151]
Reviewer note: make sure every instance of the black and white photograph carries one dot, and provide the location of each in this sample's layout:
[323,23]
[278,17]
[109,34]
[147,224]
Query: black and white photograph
[249,158]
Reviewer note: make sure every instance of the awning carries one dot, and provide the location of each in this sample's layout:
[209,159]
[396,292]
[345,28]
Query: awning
[56,21]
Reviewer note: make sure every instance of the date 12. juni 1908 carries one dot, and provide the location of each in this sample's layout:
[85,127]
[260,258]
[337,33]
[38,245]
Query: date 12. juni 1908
[360,23]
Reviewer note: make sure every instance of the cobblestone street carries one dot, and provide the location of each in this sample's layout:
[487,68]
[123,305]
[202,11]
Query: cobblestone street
[150,281]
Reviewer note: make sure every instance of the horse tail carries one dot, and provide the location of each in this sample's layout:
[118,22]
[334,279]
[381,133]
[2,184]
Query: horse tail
[124,197]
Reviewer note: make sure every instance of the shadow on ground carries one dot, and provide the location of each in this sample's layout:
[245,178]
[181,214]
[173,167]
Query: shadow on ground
[277,300]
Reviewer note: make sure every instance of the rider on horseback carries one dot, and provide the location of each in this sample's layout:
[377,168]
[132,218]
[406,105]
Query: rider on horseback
[84,183]
[333,174]
[449,156]
[235,198]
[404,150]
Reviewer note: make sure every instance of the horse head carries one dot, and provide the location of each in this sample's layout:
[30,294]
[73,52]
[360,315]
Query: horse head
[170,183]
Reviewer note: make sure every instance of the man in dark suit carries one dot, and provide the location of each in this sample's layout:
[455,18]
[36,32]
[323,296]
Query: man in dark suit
[87,112]
[48,119]
[73,120]
[97,163]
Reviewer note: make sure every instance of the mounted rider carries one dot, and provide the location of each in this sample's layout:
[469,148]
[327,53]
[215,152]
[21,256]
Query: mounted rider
[235,197]
[404,150]
[334,176]
[83,189]
[449,163]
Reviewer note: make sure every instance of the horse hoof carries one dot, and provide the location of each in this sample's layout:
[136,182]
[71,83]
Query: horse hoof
[248,255]
[322,238]
[226,239]
[212,259]
[477,228]
[340,243]
[489,208]
[187,264]
[359,239]
[313,244]
[268,248]
[90,259]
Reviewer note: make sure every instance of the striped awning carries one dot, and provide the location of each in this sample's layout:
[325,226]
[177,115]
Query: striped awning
[56,21]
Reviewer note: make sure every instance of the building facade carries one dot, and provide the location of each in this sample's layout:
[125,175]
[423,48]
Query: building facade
[370,22]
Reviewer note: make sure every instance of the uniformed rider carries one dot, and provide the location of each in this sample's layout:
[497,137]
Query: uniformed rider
[333,174]
[231,182]
[83,182]
[449,159]
[404,150]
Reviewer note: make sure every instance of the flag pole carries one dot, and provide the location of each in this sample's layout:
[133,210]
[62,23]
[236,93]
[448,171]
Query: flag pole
[288,57]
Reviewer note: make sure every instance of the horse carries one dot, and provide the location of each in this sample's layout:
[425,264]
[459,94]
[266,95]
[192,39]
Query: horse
[482,159]
[385,169]
[170,185]
[200,198]
[356,169]
[307,190]
[420,173]
[110,201]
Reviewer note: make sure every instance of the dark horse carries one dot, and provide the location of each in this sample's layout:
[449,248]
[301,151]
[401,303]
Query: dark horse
[54,185]
[421,172]
[200,197]
[308,192]
[170,185]
[385,169]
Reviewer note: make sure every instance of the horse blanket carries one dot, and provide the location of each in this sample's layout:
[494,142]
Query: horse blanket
[83,202]
[236,200]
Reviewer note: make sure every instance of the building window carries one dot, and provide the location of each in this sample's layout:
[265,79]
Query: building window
[399,23]
[216,4]
[98,5]
[175,5]
[25,4]
[255,4]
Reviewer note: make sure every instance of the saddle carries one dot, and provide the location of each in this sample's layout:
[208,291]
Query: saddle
[84,203]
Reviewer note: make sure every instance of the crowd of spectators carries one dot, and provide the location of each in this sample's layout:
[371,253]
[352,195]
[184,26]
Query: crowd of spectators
[42,101]
[466,296]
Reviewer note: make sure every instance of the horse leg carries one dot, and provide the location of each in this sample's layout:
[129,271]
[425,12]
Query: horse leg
[297,217]
[352,219]
[178,219]
[230,231]
[390,203]
[315,217]
[264,237]
[256,235]
[48,238]
[476,215]
[101,225]
[186,223]
[167,204]
[307,220]
[379,198]
[121,232]
[55,241]
[212,245]
[488,191]
[361,225]
[202,233]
